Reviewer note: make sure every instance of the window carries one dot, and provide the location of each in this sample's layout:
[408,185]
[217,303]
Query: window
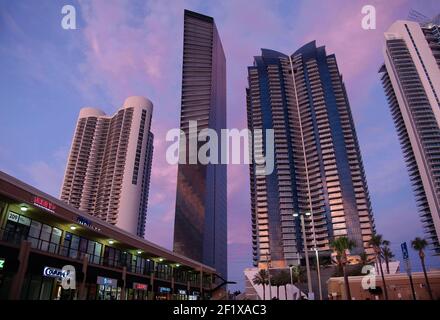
[97,255]
[74,245]
[34,233]
[46,232]
[55,240]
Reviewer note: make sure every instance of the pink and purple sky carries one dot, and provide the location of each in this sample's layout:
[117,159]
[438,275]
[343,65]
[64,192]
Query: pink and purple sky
[124,48]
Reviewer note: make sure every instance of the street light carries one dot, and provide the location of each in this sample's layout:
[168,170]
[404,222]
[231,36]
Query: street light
[291,282]
[318,269]
[268,274]
[306,251]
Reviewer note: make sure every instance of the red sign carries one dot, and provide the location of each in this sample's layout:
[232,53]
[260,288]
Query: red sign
[45,204]
[140,286]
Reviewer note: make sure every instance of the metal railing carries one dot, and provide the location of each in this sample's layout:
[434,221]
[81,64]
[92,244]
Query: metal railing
[39,244]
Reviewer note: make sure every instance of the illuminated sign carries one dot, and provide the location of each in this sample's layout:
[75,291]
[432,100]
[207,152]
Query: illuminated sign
[85,222]
[2,263]
[12,216]
[55,273]
[140,286]
[44,204]
[164,290]
[24,220]
[182,291]
[15,217]
[107,282]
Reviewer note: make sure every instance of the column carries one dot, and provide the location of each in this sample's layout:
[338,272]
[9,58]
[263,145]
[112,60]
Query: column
[82,295]
[17,281]
[124,283]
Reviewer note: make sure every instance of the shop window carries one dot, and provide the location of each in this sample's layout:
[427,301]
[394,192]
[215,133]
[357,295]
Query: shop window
[55,240]
[46,232]
[34,233]
[74,245]
[97,254]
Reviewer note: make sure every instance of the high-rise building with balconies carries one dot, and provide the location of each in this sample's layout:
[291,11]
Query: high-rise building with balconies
[318,165]
[411,80]
[109,165]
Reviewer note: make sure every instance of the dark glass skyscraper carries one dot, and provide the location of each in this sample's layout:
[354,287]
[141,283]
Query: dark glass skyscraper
[200,228]
[318,165]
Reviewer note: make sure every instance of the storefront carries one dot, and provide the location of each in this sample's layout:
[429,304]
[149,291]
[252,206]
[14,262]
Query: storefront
[108,289]
[40,235]
[139,291]
[47,286]
[181,295]
[163,293]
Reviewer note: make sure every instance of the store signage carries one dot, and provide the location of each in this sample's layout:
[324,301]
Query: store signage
[164,290]
[2,263]
[24,220]
[182,292]
[15,217]
[86,222]
[12,216]
[140,286]
[404,248]
[107,282]
[55,273]
[44,204]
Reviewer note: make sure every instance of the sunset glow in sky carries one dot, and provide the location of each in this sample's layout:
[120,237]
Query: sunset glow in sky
[124,48]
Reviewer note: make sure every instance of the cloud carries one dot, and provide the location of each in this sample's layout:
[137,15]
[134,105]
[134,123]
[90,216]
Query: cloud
[47,175]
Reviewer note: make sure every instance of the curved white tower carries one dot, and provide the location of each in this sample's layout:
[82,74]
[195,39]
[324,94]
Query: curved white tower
[411,80]
[109,166]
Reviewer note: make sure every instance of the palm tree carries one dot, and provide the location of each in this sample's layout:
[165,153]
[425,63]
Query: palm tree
[364,259]
[340,247]
[387,255]
[419,245]
[276,281]
[262,278]
[297,274]
[285,280]
[377,242]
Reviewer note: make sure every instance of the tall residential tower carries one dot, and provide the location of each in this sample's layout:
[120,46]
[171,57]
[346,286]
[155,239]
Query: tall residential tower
[109,165]
[318,165]
[200,228]
[411,80]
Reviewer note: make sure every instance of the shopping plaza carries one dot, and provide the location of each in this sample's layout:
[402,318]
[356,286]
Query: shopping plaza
[40,235]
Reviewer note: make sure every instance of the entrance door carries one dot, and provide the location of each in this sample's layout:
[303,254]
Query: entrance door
[64,294]
[107,292]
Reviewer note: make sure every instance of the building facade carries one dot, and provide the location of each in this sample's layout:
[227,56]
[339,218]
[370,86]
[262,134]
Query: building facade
[411,80]
[398,287]
[318,165]
[109,165]
[40,235]
[200,228]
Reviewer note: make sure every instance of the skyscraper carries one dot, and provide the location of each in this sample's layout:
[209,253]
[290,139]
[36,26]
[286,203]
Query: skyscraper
[318,165]
[411,80]
[109,165]
[200,227]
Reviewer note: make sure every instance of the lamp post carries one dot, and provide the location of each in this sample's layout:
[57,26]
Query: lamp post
[306,251]
[318,268]
[268,275]
[291,280]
